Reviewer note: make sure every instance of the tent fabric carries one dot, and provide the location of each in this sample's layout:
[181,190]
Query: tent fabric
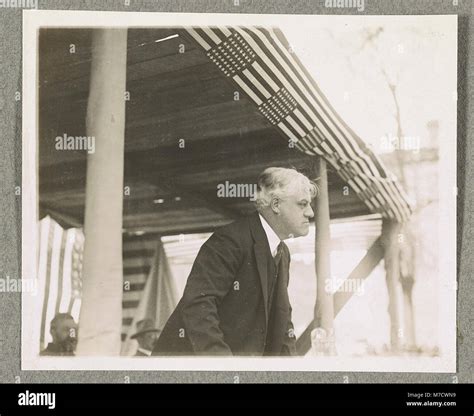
[259,63]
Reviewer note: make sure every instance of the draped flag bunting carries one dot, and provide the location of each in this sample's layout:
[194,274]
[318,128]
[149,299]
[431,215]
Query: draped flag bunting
[260,63]
[158,299]
[59,273]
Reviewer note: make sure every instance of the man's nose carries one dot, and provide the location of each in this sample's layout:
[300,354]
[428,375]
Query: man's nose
[309,212]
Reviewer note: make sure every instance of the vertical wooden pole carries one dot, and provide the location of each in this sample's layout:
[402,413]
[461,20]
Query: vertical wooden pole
[407,279]
[390,232]
[100,319]
[323,333]
[409,335]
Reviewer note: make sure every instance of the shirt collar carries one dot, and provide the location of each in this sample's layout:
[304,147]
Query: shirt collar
[144,351]
[272,237]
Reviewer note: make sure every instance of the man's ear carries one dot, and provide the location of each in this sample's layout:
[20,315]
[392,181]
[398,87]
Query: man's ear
[275,206]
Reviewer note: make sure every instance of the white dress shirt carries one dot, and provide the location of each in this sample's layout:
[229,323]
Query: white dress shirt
[272,237]
[144,351]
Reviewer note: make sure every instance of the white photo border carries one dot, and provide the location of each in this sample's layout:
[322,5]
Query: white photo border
[33,20]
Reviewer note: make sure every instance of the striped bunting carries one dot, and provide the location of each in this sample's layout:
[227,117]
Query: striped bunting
[157,300]
[59,273]
[137,260]
[259,63]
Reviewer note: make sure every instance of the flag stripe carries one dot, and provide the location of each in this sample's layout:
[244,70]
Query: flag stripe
[49,239]
[66,292]
[57,233]
[42,270]
[61,272]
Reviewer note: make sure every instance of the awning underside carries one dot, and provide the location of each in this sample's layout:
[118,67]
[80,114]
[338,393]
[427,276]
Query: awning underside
[186,132]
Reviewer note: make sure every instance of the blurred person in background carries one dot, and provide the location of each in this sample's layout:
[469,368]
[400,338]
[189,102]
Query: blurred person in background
[63,329]
[146,336]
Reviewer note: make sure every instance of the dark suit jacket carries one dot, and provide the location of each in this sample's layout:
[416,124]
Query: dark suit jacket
[55,349]
[225,306]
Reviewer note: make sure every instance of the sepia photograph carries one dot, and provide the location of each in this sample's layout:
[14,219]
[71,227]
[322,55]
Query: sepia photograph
[239,192]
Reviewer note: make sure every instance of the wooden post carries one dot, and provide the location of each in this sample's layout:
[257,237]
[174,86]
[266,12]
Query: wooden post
[100,319]
[390,235]
[361,271]
[322,337]
[407,279]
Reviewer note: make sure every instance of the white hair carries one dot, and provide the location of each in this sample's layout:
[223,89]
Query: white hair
[277,182]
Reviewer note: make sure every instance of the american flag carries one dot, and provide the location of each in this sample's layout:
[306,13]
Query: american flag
[59,273]
[260,63]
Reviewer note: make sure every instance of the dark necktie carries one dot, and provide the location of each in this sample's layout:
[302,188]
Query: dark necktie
[278,296]
[278,262]
[278,255]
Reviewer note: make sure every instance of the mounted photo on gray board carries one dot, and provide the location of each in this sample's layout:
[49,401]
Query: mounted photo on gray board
[239,192]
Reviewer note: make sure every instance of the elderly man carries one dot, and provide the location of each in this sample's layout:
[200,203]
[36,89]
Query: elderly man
[236,298]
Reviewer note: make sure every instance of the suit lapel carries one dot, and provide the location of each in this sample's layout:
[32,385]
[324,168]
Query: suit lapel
[278,324]
[261,250]
[261,256]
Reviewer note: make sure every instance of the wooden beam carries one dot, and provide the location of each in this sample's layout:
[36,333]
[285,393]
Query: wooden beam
[59,67]
[169,183]
[207,226]
[361,271]
[63,219]
[73,92]
[303,343]
[252,145]
[324,342]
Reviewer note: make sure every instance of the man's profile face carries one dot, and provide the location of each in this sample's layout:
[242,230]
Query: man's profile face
[295,212]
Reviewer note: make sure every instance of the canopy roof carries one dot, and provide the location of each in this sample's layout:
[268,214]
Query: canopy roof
[186,132]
